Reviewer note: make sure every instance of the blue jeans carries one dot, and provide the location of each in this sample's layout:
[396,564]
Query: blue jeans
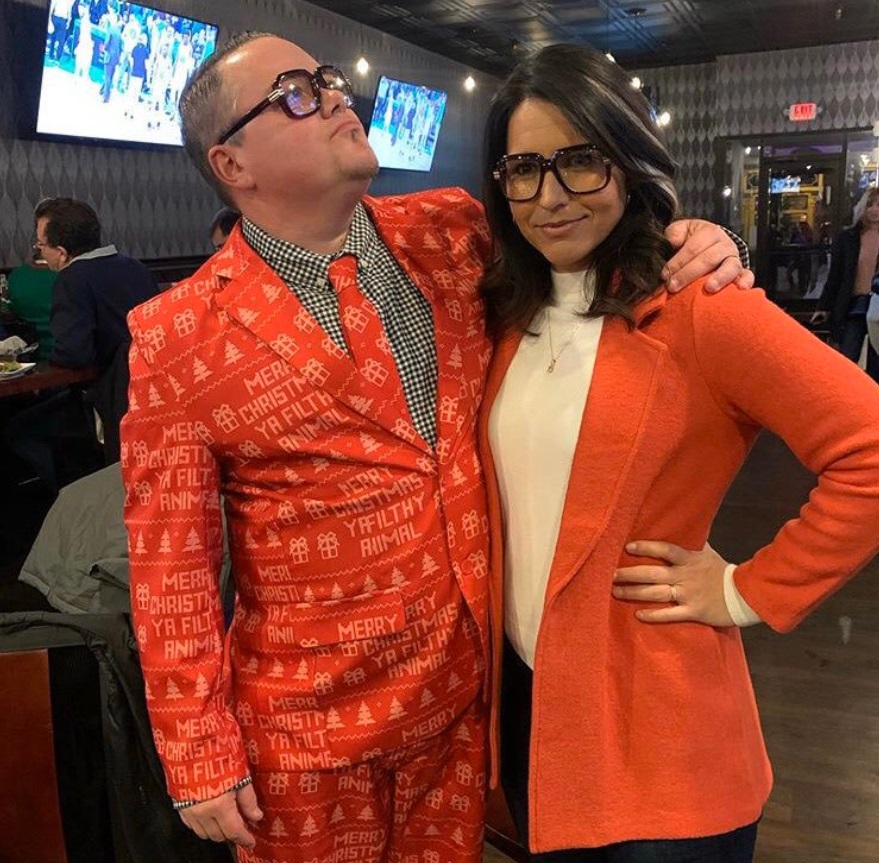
[737,846]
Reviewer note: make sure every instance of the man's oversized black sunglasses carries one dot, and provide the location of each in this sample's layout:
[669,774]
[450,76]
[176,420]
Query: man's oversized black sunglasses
[298,94]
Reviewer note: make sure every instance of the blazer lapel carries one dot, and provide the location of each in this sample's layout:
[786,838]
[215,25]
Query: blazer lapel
[256,298]
[614,431]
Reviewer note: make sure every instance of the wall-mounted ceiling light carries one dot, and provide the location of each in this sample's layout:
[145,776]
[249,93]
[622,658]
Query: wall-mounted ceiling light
[362,66]
[469,83]
[727,192]
[636,83]
[610,56]
[747,151]
[663,119]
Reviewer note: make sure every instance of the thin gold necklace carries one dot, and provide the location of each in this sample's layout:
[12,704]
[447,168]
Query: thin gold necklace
[553,356]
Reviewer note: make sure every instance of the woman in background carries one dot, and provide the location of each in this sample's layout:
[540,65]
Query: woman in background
[616,413]
[30,290]
[854,263]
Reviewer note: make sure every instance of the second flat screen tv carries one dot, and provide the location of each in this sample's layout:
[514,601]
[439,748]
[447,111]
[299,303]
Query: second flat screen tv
[405,124]
[115,71]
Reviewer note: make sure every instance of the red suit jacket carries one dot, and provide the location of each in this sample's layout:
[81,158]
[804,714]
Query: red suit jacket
[359,554]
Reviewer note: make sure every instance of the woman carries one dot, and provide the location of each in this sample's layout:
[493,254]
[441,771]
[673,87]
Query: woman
[615,412]
[30,289]
[854,263]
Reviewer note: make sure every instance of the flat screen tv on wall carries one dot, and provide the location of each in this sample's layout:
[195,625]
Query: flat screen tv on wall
[405,124]
[114,71]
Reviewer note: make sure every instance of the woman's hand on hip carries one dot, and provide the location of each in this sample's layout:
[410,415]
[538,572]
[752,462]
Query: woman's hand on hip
[687,584]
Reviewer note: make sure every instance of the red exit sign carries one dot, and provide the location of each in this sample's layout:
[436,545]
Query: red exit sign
[803,111]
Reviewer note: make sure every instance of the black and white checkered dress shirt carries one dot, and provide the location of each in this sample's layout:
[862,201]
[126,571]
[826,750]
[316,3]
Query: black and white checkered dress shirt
[404,311]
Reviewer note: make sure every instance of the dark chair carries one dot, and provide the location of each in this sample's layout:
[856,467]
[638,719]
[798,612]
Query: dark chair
[30,815]
[109,396]
[106,760]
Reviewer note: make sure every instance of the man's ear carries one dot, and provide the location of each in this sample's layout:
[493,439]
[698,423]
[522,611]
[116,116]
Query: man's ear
[228,168]
[63,257]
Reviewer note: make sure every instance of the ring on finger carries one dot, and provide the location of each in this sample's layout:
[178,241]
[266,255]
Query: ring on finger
[673,593]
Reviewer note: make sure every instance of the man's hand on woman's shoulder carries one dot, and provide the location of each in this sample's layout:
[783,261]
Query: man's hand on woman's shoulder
[705,249]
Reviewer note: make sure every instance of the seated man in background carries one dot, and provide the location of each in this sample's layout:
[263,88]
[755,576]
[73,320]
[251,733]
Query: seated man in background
[96,288]
[30,290]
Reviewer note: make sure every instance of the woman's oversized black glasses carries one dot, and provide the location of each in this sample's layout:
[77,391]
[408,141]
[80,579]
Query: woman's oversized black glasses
[298,94]
[580,169]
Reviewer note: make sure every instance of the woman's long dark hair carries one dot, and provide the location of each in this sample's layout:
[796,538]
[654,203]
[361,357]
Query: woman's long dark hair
[598,100]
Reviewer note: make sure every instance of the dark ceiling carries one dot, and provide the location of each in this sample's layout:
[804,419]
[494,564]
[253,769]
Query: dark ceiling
[489,35]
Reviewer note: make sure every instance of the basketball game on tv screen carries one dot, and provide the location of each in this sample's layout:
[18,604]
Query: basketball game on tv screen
[405,124]
[115,71]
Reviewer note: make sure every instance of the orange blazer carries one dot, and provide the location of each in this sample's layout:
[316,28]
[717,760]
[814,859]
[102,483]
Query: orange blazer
[651,731]
[360,554]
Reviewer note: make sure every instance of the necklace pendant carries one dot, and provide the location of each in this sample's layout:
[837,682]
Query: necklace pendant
[551,367]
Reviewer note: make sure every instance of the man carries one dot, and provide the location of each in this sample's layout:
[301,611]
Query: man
[323,371]
[111,51]
[95,289]
[59,28]
[96,286]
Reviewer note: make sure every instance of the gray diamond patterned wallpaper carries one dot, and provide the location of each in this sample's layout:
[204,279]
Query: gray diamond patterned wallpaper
[152,203]
[748,94]
[689,94]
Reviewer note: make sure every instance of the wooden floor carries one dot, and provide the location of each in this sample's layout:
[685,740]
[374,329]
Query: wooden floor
[492,855]
[817,688]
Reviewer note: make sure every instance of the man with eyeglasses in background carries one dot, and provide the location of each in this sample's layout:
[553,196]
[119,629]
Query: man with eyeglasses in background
[96,287]
[323,372]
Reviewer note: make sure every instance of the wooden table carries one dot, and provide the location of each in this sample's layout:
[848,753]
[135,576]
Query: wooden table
[45,377]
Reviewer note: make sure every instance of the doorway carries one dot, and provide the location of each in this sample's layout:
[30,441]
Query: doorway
[788,197]
[798,223]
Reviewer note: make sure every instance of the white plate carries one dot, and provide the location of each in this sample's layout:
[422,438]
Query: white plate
[23,369]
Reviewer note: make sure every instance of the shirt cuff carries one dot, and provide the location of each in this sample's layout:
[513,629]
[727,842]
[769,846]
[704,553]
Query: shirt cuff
[186,804]
[741,245]
[739,610]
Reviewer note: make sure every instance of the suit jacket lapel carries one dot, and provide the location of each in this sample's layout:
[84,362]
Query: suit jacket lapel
[503,356]
[461,347]
[256,298]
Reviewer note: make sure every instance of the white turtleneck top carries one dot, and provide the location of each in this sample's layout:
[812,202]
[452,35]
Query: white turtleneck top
[533,459]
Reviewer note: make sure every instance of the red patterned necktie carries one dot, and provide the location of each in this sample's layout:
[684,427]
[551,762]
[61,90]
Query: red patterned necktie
[364,334]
